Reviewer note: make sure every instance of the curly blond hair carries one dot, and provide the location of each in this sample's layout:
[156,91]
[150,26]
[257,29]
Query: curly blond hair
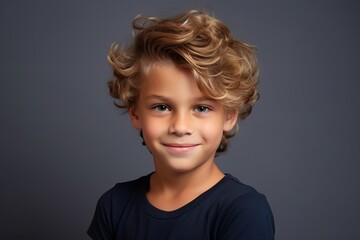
[224,68]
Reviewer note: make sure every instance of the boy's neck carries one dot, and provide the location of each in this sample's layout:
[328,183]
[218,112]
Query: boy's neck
[169,191]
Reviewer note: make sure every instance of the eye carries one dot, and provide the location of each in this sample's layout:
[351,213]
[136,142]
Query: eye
[161,107]
[202,109]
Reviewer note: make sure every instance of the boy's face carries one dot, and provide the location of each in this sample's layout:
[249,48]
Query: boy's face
[181,127]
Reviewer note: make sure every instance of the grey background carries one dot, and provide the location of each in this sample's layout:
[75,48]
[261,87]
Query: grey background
[63,143]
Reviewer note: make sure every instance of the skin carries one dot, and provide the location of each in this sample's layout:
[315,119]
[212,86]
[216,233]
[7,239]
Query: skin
[182,129]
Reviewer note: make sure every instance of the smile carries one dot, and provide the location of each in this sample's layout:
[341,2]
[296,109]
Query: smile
[180,148]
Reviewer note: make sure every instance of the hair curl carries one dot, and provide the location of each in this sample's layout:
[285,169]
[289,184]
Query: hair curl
[224,68]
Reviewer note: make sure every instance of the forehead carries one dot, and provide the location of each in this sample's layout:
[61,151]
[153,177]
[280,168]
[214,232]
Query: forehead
[165,75]
[167,78]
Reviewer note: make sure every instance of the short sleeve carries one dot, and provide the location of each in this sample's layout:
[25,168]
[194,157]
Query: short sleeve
[100,227]
[248,218]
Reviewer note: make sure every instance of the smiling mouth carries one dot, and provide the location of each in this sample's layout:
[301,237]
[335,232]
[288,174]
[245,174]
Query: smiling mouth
[180,147]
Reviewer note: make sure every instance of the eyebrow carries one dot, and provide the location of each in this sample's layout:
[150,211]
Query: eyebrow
[164,98]
[157,97]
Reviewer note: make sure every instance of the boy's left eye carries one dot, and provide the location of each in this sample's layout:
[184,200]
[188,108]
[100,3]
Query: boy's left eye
[202,109]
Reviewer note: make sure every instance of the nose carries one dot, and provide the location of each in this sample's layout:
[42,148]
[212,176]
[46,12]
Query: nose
[180,124]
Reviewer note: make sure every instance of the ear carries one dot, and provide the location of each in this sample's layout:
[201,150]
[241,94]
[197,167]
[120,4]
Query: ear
[230,121]
[134,117]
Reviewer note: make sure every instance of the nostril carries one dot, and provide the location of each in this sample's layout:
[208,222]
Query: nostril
[180,126]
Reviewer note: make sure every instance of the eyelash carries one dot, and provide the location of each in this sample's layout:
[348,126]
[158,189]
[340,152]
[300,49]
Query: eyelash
[202,109]
[164,107]
[160,107]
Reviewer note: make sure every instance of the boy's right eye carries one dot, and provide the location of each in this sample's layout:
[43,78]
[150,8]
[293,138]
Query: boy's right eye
[161,107]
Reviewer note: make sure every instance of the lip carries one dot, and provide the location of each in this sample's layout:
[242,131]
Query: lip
[180,148]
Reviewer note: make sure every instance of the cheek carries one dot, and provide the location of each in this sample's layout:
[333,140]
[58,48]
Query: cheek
[212,131]
[152,129]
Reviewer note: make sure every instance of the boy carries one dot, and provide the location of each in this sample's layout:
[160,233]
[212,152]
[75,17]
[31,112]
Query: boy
[185,83]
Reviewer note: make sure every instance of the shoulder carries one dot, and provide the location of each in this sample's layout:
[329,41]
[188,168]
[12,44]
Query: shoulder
[113,202]
[246,213]
[233,192]
[124,191]
[111,206]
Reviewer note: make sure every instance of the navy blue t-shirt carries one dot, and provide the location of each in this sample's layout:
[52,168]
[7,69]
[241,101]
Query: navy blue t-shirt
[229,210]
